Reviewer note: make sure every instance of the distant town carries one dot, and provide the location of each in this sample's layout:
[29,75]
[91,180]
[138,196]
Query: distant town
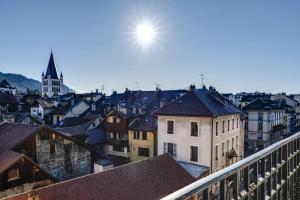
[59,144]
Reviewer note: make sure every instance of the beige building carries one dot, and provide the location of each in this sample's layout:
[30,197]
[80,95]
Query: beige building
[201,128]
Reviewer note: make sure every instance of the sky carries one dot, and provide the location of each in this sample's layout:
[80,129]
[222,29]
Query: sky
[237,45]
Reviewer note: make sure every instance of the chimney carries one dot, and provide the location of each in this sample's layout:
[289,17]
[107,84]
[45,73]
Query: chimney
[162,102]
[192,87]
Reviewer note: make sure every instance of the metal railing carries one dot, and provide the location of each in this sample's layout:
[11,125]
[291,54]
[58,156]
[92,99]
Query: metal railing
[272,173]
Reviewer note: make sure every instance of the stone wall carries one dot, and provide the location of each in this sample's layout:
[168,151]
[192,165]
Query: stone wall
[61,157]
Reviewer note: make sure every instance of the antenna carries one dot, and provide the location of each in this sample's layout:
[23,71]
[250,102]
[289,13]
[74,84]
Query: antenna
[202,79]
[157,85]
[102,89]
[137,85]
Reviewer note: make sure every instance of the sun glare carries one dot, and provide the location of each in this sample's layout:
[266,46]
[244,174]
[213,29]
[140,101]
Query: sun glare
[145,34]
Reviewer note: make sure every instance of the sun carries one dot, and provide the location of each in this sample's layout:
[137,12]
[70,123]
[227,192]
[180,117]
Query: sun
[145,34]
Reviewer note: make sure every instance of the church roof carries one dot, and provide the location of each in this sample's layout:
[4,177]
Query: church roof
[51,69]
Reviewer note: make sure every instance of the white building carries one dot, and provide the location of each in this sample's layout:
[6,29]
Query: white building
[51,84]
[201,128]
[264,124]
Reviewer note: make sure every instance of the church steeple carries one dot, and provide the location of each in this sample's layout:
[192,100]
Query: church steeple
[51,69]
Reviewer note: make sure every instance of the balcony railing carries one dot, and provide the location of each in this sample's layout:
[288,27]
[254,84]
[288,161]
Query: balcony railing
[272,173]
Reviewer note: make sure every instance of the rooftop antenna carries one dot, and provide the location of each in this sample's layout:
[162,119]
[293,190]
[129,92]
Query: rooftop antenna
[137,85]
[157,85]
[202,79]
[102,89]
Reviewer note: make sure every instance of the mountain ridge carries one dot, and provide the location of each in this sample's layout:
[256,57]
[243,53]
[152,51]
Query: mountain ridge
[22,82]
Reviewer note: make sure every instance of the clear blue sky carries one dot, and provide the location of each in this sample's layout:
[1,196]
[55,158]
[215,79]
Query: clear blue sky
[238,45]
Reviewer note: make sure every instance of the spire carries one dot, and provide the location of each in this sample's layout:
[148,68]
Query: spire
[51,69]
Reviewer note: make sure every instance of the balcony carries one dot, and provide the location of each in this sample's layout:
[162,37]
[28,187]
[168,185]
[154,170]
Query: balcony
[231,154]
[272,173]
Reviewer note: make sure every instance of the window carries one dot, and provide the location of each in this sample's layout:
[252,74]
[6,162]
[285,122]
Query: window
[110,119]
[144,136]
[194,129]
[228,125]
[260,116]
[232,124]
[259,135]
[144,152]
[52,147]
[223,149]
[170,127]
[171,149]
[136,135]
[217,151]
[118,120]
[217,128]
[232,145]
[223,126]
[194,154]
[260,126]
[13,174]
[227,145]
[237,123]
[237,142]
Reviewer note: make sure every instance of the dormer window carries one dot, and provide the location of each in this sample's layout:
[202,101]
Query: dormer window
[13,174]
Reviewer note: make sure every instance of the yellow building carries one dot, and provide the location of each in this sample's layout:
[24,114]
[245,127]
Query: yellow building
[141,144]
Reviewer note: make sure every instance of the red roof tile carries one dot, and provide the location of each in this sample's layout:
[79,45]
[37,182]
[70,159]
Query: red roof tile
[149,179]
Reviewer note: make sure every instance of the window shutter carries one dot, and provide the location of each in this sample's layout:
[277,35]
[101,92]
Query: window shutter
[165,147]
[174,150]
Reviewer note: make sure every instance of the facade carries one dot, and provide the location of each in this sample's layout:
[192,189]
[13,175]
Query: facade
[59,155]
[19,173]
[51,84]
[201,128]
[130,125]
[142,144]
[264,124]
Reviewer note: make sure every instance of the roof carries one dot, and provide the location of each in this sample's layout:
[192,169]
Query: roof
[7,98]
[264,104]
[13,134]
[199,103]
[45,104]
[51,69]
[20,116]
[197,171]
[8,158]
[5,84]
[148,179]
[72,131]
[96,136]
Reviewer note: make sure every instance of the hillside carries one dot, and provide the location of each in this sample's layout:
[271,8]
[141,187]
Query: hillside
[21,82]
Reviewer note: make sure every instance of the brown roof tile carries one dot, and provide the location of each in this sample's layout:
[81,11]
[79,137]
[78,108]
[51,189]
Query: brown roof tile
[149,179]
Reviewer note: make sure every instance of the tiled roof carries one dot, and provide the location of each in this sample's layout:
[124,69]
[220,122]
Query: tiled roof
[96,136]
[13,134]
[8,158]
[148,180]
[199,103]
[264,104]
[7,98]
[51,69]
